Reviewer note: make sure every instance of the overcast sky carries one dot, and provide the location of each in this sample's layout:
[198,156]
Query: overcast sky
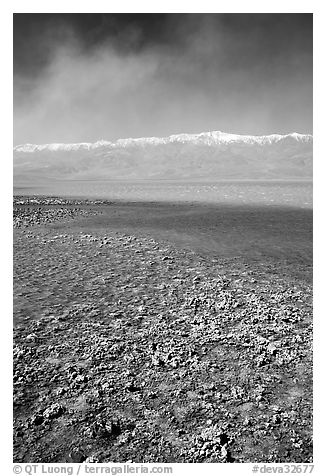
[84,77]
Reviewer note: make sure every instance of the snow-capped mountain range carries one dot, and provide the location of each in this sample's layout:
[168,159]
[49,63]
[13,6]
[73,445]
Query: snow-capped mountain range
[208,155]
[204,138]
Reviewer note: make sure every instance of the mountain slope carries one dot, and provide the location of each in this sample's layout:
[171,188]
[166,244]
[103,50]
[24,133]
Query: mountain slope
[211,155]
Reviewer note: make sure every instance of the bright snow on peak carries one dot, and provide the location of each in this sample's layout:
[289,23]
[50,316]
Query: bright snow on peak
[203,138]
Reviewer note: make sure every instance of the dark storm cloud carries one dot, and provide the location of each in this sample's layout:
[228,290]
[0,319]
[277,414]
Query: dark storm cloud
[84,77]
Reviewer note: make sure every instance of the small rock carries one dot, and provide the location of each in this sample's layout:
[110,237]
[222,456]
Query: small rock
[31,337]
[61,391]
[271,349]
[91,459]
[276,419]
[76,457]
[224,451]
[53,411]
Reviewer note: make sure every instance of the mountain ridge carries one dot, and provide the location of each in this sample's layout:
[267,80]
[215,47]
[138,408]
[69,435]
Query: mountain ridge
[204,138]
[209,155]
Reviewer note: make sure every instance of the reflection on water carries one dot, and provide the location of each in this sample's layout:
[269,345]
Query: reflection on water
[298,194]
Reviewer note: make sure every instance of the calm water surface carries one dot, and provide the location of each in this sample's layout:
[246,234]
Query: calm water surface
[265,222]
[287,193]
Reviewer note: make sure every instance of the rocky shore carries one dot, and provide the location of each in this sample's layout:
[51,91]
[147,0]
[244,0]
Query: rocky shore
[29,211]
[129,349]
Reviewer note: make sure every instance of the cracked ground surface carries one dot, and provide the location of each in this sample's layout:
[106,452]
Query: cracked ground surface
[130,348]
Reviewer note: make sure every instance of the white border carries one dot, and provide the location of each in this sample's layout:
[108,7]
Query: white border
[168,6]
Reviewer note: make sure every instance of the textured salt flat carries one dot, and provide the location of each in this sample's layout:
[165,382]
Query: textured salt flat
[132,347]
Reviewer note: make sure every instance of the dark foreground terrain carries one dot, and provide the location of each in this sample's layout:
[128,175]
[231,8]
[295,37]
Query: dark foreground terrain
[151,333]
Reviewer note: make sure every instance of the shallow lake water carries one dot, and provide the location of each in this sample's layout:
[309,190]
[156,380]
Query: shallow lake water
[284,193]
[252,221]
